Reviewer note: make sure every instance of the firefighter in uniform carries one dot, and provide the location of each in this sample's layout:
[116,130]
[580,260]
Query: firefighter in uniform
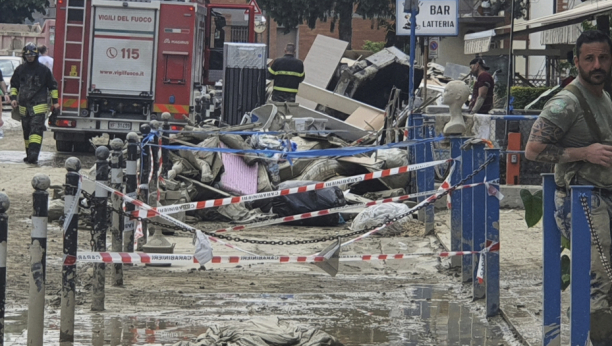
[30,85]
[287,73]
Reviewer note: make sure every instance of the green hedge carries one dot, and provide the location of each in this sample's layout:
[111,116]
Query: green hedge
[525,95]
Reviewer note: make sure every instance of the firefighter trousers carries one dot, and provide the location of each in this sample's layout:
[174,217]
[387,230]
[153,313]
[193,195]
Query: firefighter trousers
[33,126]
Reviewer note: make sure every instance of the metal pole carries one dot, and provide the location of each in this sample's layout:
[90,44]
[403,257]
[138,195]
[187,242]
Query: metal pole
[145,169]
[100,227]
[479,218]
[551,324]
[456,143]
[466,215]
[580,305]
[167,165]
[131,181]
[510,58]
[155,126]
[38,254]
[425,67]
[429,177]
[413,13]
[5,203]
[117,203]
[71,210]
[492,236]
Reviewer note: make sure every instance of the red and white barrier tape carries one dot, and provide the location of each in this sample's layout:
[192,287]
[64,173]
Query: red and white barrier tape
[335,210]
[258,196]
[430,199]
[126,257]
[172,220]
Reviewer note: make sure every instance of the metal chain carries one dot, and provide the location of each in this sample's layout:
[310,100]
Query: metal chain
[604,259]
[92,215]
[309,241]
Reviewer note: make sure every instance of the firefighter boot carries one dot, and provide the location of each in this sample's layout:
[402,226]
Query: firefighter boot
[37,128]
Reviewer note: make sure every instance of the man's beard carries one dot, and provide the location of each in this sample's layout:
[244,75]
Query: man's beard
[587,76]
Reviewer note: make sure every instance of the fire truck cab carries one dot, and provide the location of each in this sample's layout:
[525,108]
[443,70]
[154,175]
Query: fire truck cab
[122,63]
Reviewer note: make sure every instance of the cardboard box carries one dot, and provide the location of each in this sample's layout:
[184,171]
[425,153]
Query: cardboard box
[367,119]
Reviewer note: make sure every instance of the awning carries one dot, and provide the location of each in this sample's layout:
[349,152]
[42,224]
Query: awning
[479,42]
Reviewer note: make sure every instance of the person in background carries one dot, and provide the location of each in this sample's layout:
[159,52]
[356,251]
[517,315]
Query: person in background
[44,58]
[30,85]
[287,73]
[482,94]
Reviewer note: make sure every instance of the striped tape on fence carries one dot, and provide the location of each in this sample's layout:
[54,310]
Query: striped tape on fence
[172,220]
[150,258]
[336,210]
[263,195]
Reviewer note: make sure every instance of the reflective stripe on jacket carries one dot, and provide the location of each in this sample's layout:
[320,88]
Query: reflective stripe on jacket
[287,73]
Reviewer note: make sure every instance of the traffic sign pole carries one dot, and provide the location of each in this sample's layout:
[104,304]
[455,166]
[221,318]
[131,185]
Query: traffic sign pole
[426,61]
[413,14]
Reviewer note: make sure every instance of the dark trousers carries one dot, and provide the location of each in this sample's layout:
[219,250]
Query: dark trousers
[33,126]
[283,96]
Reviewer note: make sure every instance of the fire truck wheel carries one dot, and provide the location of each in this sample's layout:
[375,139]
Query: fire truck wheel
[63,146]
[83,147]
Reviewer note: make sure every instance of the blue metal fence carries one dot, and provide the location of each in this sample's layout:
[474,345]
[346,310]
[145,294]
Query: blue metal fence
[470,230]
[580,267]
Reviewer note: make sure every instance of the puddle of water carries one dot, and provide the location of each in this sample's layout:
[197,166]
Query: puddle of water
[46,159]
[421,315]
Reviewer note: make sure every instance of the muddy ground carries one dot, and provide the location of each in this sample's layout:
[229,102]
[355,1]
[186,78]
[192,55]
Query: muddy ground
[417,301]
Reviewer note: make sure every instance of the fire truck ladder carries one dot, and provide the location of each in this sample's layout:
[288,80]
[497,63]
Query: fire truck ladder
[73,74]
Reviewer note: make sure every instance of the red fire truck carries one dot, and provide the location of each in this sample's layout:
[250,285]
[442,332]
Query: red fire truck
[122,63]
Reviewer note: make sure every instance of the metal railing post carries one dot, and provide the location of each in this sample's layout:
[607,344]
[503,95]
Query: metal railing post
[116,160]
[38,259]
[145,170]
[167,164]
[429,177]
[100,227]
[419,157]
[580,289]
[71,211]
[131,184]
[551,285]
[492,235]
[466,216]
[479,219]
[456,143]
[5,204]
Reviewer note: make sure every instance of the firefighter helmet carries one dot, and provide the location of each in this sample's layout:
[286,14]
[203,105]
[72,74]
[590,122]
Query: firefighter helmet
[30,49]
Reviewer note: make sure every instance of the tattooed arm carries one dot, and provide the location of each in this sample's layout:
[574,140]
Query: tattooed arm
[542,146]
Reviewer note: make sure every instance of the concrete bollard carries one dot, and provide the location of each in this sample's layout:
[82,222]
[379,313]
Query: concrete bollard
[100,226]
[68,303]
[116,160]
[38,254]
[166,163]
[131,184]
[5,203]
[145,170]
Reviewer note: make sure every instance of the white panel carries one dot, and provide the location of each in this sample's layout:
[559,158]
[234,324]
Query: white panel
[39,227]
[124,42]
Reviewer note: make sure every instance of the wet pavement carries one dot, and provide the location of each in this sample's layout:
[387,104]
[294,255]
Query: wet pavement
[416,315]
[46,159]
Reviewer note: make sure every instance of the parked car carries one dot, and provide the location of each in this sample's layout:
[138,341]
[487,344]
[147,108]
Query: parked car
[8,64]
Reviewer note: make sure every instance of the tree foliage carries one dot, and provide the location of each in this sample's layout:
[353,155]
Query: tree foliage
[16,11]
[290,14]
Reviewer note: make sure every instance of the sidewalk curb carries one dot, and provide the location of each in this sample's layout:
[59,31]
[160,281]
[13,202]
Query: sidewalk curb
[502,314]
